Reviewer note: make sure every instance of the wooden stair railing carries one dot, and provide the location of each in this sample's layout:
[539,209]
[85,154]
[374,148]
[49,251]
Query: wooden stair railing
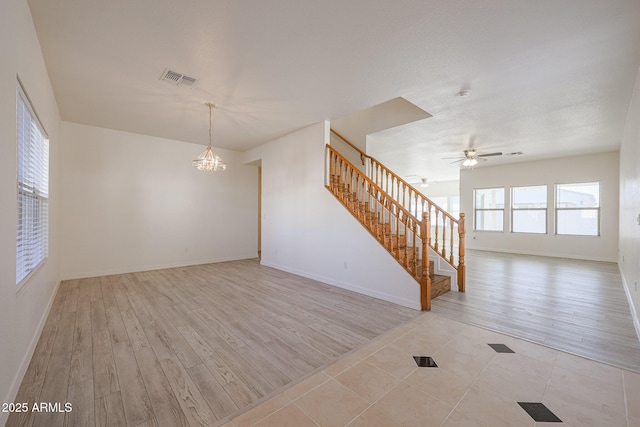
[401,233]
[447,232]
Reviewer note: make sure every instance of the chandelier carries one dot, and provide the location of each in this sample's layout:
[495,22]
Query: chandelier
[209,161]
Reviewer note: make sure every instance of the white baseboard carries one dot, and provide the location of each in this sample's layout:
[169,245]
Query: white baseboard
[634,312]
[24,364]
[126,270]
[535,253]
[350,287]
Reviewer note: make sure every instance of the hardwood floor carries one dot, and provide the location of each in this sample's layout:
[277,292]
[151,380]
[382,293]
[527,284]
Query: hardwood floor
[189,346]
[576,306]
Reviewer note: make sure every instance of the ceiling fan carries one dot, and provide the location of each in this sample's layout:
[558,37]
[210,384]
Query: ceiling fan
[471,157]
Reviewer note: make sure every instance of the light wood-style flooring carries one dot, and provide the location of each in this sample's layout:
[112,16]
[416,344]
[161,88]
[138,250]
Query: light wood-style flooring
[576,306]
[189,346]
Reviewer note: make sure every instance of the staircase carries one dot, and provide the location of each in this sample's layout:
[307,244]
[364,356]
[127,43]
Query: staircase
[400,218]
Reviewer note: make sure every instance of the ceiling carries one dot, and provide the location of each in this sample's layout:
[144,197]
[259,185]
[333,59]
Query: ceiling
[548,78]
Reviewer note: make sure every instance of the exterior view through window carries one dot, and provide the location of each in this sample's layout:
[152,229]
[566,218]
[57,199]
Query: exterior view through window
[578,209]
[489,209]
[529,209]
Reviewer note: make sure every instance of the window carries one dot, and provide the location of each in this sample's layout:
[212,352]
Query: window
[489,209]
[529,209]
[578,209]
[33,191]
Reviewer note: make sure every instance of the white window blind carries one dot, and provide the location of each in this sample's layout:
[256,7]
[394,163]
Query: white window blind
[33,192]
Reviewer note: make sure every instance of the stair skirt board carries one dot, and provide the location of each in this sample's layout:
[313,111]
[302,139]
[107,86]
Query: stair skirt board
[440,283]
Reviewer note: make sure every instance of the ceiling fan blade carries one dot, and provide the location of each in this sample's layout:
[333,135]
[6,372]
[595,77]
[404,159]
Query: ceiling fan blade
[490,154]
[480,158]
[457,161]
[451,158]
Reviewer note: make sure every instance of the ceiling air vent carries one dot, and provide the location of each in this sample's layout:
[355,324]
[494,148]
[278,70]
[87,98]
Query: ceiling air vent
[178,79]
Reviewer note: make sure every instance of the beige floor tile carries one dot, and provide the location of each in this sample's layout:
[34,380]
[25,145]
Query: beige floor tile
[367,381]
[439,383]
[587,367]
[632,393]
[573,411]
[477,348]
[391,336]
[393,361]
[458,419]
[343,364]
[261,411]
[459,363]
[436,337]
[289,416]
[370,348]
[582,400]
[404,328]
[475,332]
[534,351]
[523,365]
[332,404]
[424,318]
[451,327]
[307,385]
[412,407]
[416,346]
[493,409]
[563,424]
[512,385]
[374,417]
[586,388]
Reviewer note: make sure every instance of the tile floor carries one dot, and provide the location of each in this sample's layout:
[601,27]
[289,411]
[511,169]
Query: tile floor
[472,385]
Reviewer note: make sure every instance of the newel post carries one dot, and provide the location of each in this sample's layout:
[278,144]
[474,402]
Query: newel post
[425,280]
[461,266]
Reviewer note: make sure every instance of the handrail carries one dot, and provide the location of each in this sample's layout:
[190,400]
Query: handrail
[393,174]
[415,202]
[363,197]
[373,184]
[363,155]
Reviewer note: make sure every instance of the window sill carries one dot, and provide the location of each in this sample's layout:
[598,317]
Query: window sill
[25,282]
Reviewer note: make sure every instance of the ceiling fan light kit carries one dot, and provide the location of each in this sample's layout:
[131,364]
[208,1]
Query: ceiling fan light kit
[471,157]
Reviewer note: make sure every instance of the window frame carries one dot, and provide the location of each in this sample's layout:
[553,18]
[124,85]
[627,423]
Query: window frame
[32,194]
[596,209]
[476,209]
[514,209]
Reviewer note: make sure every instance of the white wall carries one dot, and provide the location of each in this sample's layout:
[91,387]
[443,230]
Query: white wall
[601,167]
[132,202]
[22,313]
[440,189]
[629,257]
[306,231]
